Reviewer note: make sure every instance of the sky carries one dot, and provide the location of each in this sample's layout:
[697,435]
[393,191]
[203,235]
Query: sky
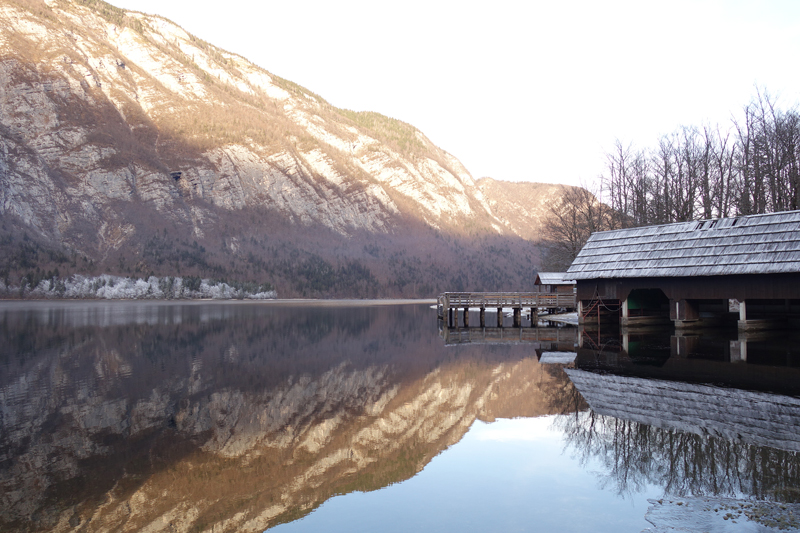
[518,90]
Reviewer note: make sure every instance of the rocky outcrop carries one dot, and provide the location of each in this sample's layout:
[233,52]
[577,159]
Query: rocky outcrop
[523,208]
[104,104]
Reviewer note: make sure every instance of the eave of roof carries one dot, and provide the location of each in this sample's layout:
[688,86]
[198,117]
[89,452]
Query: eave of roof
[555,278]
[757,244]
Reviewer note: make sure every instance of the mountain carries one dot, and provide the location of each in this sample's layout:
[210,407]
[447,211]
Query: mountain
[522,207]
[129,146]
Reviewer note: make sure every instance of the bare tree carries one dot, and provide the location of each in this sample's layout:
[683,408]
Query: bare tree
[571,220]
[724,169]
[617,182]
[629,184]
[709,172]
[769,149]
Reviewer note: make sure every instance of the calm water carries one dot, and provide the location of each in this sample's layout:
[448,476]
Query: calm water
[127,416]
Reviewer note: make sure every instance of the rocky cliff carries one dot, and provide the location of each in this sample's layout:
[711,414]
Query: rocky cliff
[129,146]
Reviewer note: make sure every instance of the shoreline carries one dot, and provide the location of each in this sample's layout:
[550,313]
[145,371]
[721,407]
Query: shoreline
[340,302]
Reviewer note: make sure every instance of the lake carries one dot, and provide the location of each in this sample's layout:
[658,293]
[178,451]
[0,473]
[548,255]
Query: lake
[372,416]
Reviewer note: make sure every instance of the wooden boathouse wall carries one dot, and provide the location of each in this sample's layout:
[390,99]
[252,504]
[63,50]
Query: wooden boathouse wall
[741,287]
[693,273]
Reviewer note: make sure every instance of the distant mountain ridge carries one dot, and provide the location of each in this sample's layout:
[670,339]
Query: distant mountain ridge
[129,146]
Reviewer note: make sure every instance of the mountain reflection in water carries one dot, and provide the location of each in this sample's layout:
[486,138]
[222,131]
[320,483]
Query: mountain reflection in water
[241,416]
[234,416]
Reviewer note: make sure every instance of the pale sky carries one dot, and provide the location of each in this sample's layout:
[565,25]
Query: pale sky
[534,91]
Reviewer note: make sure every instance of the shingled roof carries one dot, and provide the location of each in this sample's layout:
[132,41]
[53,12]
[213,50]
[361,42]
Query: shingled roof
[553,278]
[756,244]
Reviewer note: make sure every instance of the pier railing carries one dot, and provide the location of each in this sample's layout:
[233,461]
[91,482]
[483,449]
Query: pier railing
[451,303]
[514,300]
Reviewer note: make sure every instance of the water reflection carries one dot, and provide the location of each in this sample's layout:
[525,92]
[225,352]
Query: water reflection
[553,335]
[234,416]
[682,463]
[764,361]
[689,413]
[239,417]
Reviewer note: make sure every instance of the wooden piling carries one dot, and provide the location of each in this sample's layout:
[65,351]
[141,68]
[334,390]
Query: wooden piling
[450,303]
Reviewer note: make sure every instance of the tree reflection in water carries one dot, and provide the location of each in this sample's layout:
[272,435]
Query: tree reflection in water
[634,455]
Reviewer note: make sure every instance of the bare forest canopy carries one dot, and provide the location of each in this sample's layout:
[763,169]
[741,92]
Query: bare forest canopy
[749,166]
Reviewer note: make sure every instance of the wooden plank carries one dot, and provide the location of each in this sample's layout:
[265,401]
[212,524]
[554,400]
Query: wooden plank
[514,300]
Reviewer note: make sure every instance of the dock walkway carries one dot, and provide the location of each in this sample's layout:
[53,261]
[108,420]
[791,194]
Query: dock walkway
[449,304]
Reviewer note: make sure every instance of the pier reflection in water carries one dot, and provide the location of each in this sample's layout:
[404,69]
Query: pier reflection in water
[241,417]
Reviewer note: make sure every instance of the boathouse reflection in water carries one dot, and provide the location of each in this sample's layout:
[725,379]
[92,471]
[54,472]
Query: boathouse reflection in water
[707,413]
[690,414]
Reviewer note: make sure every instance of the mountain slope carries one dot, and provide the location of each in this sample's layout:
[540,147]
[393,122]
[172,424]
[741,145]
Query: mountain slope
[118,127]
[522,207]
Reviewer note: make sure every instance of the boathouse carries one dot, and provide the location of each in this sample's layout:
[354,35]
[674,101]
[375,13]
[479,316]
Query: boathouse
[558,282]
[744,269]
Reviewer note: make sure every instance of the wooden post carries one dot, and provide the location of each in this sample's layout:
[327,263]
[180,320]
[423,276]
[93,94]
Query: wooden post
[739,350]
[483,317]
[517,317]
[534,317]
[455,317]
[499,317]
[743,315]
[466,317]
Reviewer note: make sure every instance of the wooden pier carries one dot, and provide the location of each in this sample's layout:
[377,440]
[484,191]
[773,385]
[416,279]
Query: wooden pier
[450,303]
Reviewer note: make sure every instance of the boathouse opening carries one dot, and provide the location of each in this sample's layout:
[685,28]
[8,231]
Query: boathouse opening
[645,307]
